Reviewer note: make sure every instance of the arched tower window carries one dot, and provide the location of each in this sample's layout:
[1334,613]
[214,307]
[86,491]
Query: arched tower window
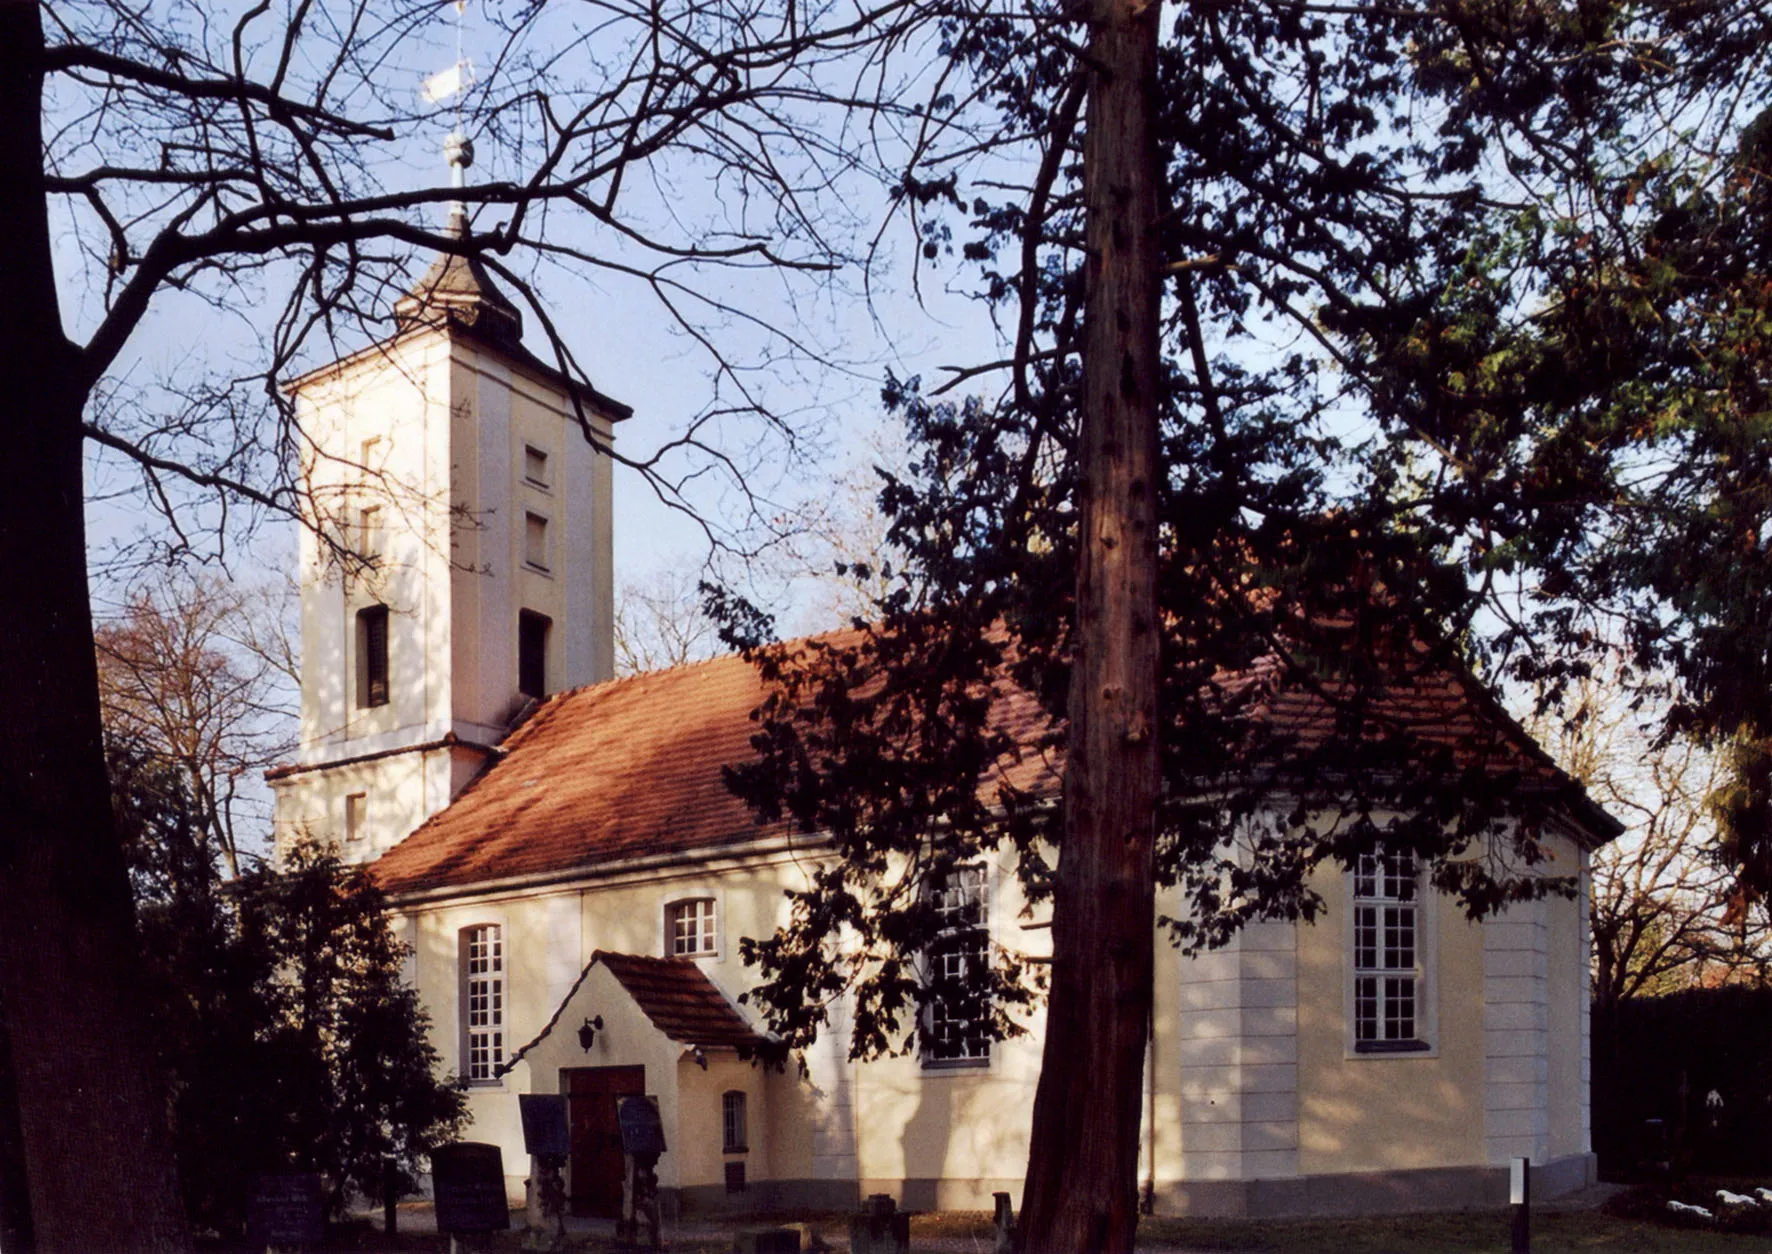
[372,656]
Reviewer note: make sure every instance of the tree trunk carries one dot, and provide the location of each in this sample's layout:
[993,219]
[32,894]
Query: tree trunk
[16,1236]
[1081,1191]
[90,1119]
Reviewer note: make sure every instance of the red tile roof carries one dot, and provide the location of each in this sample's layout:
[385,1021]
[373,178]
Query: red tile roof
[632,768]
[614,771]
[680,1000]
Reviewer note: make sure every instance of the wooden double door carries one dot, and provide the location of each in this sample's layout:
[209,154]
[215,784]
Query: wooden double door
[592,1094]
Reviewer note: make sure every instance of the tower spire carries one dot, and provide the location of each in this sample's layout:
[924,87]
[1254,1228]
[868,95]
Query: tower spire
[458,150]
[457,289]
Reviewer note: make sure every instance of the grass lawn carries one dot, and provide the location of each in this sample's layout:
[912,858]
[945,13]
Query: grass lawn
[1467,1232]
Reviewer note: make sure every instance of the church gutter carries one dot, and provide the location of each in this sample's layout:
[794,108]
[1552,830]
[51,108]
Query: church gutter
[449,740]
[567,876]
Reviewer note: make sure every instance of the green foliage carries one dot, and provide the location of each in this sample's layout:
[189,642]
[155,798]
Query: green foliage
[284,1029]
[1365,208]
[357,1080]
[1601,382]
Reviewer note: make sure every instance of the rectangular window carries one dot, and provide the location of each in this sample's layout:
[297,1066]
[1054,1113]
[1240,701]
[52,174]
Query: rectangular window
[535,466]
[532,653]
[732,1122]
[372,656]
[369,531]
[370,461]
[958,1005]
[1387,965]
[689,928]
[483,1001]
[535,541]
[356,815]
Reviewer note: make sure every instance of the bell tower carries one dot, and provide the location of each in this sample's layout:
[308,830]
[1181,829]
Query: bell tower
[457,561]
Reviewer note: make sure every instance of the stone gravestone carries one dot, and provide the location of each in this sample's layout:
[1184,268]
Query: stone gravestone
[548,1140]
[286,1211]
[766,1241]
[642,1131]
[880,1228]
[545,1132]
[468,1179]
[642,1141]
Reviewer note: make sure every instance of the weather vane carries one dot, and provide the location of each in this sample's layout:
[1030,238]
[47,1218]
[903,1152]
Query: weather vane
[453,83]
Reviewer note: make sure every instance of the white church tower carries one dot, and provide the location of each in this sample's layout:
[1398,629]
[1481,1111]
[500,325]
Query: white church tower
[459,463]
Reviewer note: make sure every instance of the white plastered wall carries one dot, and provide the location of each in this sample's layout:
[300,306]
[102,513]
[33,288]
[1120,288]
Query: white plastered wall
[1374,1112]
[1251,1044]
[550,936]
[450,423]
[951,1136]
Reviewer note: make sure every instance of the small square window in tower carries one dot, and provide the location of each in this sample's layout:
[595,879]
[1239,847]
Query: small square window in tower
[689,928]
[535,541]
[535,466]
[532,653]
[369,531]
[372,656]
[356,815]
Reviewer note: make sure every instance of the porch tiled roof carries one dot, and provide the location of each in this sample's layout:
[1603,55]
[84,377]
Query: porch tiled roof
[680,999]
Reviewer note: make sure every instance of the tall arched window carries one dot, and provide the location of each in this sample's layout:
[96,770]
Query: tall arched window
[482,1002]
[1388,967]
[959,1010]
[734,1134]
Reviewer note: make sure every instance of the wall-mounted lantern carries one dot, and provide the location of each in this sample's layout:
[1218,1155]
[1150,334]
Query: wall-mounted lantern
[587,1032]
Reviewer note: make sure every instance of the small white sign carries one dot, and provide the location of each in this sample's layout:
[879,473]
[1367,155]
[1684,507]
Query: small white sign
[1516,1182]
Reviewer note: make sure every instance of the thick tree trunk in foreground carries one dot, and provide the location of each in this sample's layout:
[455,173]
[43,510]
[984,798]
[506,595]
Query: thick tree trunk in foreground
[16,1234]
[98,1161]
[1081,1192]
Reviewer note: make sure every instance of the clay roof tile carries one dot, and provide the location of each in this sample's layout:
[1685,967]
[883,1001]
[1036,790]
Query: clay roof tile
[633,767]
[681,1000]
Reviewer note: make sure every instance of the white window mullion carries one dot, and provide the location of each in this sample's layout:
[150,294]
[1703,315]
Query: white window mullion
[1387,967]
[483,995]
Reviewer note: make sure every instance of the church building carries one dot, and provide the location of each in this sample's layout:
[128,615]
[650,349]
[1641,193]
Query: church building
[574,878]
